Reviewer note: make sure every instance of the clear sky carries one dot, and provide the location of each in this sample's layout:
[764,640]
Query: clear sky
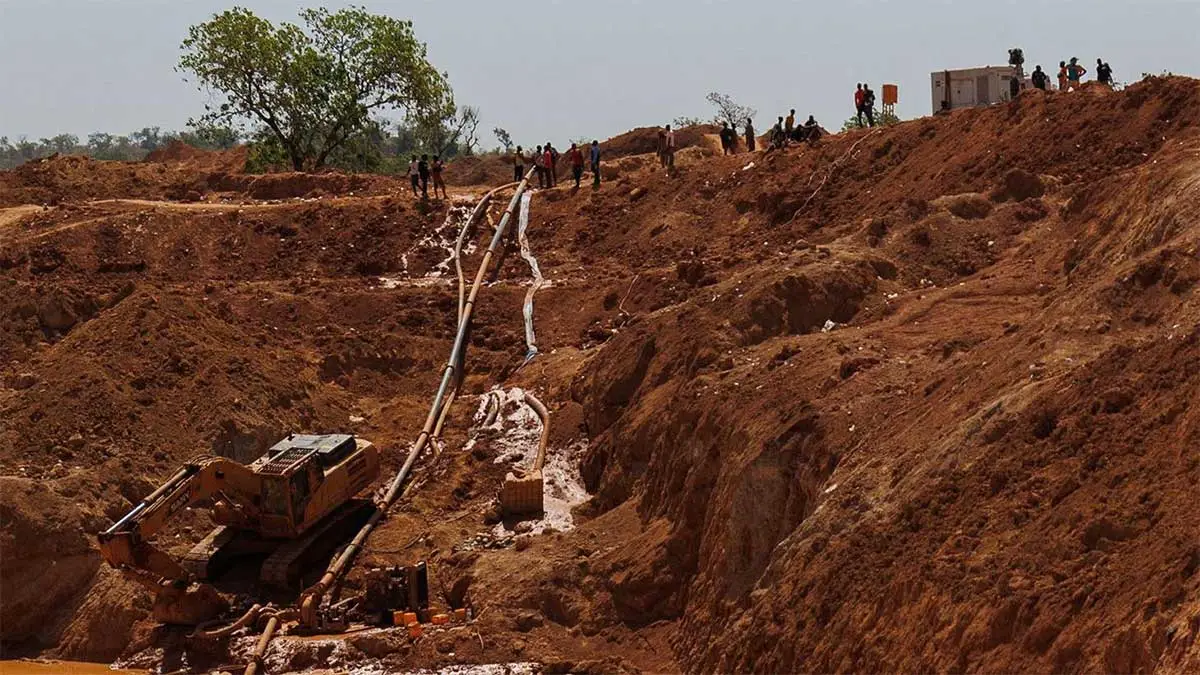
[560,70]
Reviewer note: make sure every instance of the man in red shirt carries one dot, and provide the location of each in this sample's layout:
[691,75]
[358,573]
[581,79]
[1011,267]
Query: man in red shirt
[576,158]
[860,98]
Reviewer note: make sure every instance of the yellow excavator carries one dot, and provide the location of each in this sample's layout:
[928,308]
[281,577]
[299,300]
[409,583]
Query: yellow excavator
[294,504]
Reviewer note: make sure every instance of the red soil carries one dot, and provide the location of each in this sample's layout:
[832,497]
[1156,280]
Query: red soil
[914,399]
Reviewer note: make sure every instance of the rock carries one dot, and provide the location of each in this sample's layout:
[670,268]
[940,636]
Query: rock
[23,381]
[527,621]
[637,193]
[76,441]
[377,644]
[1020,185]
[56,314]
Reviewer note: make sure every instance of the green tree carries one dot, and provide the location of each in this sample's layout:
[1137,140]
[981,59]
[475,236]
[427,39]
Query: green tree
[311,89]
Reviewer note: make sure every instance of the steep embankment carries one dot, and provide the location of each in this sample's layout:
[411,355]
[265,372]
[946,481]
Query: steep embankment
[987,462]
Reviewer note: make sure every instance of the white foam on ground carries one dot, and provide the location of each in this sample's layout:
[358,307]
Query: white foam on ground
[515,434]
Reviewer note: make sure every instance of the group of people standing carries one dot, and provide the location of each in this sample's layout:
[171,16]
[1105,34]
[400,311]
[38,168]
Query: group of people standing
[545,162]
[1070,75]
[864,104]
[419,173]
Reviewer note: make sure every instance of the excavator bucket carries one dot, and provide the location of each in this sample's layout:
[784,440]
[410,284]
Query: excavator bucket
[521,495]
[189,605]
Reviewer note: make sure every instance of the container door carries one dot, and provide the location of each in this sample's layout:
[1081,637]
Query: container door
[983,85]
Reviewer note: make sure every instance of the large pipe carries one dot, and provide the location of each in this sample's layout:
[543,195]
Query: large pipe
[256,659]
[312,597]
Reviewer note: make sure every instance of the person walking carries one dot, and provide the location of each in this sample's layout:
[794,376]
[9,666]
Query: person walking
[423,172]
[859,97]
[413,176]
[548,157]
[539,167]
[869,104]
[1062,75]
[518,165]
[576,159]
[749,134]
[437,169]
[595,157]
[789,123]
[1075,73]
[1039,78]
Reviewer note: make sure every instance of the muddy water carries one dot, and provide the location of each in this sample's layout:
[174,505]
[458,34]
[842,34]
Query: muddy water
[61,668]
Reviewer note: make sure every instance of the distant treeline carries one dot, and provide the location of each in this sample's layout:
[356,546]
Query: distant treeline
[382,148]
[132,147]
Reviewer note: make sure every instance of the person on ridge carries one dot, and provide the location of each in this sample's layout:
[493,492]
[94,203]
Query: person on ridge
[869,104]
[812,131]
[789,123]
[1075,73]
[552,165]
[662,147]
[1039,78]
[859,97]
[724,136]
[777,138]
[670,149]
[539,166]
[518,165]
[548,162]
[595,157]
[1103,72]
[437,178]
[1062,75]
[423,171]
[413,176]
[749,135]
[576,158]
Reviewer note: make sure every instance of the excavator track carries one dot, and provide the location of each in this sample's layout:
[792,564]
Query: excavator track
[216,553]
[284,567]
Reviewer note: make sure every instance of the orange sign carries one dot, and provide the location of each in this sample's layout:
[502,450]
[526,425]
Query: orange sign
[891,94]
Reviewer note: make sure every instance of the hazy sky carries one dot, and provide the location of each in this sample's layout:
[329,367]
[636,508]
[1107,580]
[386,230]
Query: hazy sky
[559,70]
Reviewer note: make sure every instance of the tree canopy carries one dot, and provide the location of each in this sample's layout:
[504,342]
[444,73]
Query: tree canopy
[312,90]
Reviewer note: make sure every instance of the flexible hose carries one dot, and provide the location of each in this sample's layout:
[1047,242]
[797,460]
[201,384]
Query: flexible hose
[531,349]
[544,414]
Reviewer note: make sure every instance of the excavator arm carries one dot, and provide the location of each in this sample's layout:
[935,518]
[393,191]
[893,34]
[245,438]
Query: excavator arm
[126,544]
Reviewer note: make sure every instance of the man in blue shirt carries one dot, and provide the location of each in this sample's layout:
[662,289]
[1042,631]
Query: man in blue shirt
[595,156]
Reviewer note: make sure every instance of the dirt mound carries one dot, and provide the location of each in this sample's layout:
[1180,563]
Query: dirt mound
[486,170]
[645,140]
[227,161]
[47,560]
